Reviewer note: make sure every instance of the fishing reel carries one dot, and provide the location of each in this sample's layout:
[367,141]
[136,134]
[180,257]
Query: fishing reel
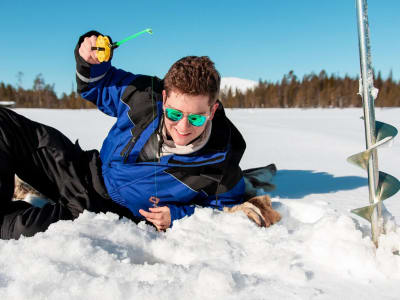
[103,48]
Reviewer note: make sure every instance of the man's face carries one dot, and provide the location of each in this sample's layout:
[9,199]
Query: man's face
[181,131]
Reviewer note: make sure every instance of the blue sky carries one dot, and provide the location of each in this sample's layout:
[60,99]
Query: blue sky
[246,39]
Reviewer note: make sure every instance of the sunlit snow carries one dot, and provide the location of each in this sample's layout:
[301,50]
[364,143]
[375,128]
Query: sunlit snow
[319,250]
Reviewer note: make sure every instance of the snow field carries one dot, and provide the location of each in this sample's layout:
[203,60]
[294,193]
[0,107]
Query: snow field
[319,250]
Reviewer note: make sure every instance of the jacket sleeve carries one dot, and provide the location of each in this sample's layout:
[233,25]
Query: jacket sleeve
[179,212]
[227,199]
[101,84]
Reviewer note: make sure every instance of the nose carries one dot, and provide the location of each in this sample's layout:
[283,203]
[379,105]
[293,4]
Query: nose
[183,124]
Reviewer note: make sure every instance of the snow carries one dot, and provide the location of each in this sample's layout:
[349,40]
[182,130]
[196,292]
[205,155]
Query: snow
[237,83]
[319,250]
[7,103]
[370,85]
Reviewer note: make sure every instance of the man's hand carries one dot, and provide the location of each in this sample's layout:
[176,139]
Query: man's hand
[159,216]
[86,52]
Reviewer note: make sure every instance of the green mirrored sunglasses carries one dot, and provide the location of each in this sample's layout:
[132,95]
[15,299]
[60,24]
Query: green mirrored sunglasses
[175,115]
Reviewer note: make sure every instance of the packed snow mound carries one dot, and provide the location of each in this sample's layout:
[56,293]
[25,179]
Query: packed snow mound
[237,83]
[211,255]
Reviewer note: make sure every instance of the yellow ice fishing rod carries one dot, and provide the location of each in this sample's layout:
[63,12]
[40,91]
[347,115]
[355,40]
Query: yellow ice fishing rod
[104,47]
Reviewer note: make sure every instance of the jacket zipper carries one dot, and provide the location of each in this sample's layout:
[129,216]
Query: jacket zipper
[128,148]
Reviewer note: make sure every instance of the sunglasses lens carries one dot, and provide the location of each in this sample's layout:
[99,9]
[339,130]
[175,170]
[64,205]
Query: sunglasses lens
[173,114]
[197,120]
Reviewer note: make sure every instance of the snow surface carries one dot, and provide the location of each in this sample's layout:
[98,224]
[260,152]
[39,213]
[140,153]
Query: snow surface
[318,251]
[237,83]
[7,103]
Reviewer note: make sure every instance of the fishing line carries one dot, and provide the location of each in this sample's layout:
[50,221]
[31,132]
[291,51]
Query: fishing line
[156,149]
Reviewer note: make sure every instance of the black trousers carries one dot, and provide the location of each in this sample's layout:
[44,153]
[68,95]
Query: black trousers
[46,159]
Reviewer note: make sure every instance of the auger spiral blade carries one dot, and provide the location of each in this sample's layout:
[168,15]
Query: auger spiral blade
[387,187]
[384,133]
[365,212]
[387,184]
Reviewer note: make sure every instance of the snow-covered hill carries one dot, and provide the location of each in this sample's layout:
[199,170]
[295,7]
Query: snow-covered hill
[236,83]
[319,250]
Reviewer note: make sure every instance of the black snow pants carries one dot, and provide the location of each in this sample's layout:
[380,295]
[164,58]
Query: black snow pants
[47,160]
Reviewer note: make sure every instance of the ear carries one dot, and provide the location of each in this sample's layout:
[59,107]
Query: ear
[164,97]
[213,110]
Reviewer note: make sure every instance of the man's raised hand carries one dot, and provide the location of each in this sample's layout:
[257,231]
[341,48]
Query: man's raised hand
[86,52]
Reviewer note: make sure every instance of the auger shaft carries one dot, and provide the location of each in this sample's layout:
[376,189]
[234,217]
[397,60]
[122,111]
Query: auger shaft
[368,98]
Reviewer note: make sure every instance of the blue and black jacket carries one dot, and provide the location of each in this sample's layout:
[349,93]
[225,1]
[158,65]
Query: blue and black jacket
[210,177]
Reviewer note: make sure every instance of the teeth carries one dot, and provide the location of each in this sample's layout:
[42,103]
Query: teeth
[182,133]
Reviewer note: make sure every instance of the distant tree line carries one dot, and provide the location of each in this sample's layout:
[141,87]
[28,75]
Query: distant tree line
[311,91]
[41,95]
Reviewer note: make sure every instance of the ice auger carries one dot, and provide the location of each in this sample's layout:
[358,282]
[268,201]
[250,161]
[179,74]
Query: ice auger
[381,185]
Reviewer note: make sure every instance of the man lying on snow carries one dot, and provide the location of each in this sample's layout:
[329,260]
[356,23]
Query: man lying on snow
[171,148]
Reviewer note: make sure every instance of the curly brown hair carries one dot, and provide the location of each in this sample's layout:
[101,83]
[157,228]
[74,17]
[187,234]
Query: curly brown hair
[193,75]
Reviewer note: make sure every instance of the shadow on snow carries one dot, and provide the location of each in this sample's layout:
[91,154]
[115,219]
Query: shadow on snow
[300,183]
